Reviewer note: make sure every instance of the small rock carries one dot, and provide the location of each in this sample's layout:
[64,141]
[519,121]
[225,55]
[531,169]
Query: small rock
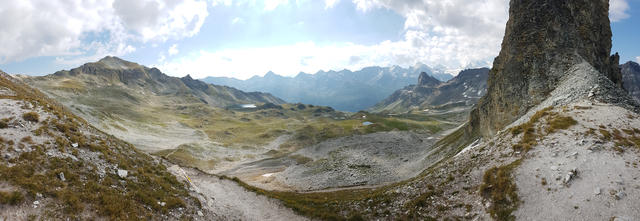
[554,167]
[38,195]
[200,213]
[61,176]
[122,173]
[597,191]
[567,178]
[620,195]
[162,203]
[74,145]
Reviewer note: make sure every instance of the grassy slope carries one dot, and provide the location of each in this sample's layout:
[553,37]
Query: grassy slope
[91,187]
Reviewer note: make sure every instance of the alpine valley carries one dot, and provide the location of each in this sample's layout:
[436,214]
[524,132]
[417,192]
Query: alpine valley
[550,132]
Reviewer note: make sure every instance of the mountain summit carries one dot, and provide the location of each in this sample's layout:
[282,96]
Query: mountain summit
[547,42]
[426,80]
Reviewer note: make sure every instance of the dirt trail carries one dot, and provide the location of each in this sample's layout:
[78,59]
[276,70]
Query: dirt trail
[226,200]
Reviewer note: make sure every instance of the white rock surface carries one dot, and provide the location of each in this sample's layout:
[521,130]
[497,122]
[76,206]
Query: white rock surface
[123,173]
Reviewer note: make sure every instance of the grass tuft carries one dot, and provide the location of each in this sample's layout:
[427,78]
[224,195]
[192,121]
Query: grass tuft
[31,116]
[499,188]
[12,198]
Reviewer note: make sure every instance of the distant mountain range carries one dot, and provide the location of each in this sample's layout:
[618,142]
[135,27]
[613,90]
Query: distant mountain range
[343,90]
[462,91]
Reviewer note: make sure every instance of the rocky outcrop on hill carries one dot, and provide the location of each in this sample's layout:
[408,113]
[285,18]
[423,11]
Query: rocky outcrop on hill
[462,91]
[544,40]
[631,79]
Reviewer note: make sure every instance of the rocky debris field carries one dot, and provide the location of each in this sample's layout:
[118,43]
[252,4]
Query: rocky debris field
[358,160]
[361,160]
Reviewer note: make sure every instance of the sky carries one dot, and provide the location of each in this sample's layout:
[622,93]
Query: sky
[243,38]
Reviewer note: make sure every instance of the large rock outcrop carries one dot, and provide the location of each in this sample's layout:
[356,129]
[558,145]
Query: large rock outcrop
[631,79]
[544,39]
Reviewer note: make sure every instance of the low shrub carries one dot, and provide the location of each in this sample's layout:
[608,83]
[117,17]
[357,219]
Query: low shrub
[31,116]
[13,198]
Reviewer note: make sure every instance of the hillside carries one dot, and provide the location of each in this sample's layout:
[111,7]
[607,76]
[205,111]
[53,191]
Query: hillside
[343,90]
[141,105]
[461,92]
[56,166]
[631,79]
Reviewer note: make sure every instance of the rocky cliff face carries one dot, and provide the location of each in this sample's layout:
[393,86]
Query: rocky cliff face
[631,79]
[544,39]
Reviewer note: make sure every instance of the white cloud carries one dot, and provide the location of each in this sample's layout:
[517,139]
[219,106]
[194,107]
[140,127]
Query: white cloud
[269,5]
[330,3]
[638,59]
[308,57]
[237,20]
[173,50]
[162,19]
[618,10]
[78,31]
[221,2]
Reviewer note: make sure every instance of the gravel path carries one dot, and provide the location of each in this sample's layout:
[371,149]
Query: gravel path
[226,200]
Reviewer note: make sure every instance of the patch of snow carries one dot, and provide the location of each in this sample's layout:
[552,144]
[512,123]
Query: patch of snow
[267,175]
[470,147]
[249,106]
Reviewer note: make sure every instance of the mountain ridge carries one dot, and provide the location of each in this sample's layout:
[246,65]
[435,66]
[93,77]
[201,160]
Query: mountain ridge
[462,91]
[113,70]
